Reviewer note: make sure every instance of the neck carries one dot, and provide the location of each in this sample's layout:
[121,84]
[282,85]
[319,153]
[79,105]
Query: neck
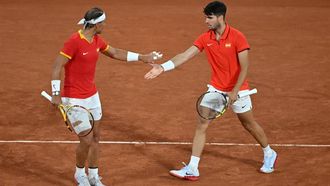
[221,29]
[88,33]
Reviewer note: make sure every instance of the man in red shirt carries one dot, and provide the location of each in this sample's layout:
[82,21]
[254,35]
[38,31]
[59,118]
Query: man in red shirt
[78,57]
[227,53]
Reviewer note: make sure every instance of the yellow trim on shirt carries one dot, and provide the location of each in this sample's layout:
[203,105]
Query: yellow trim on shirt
[66,55]
[106,48]
[83,37]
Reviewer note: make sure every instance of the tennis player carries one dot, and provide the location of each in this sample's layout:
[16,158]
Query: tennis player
[227,52]
[78,57]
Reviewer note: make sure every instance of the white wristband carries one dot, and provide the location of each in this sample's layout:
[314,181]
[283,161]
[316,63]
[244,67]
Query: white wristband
[169,65]
[56,85]
[131,56]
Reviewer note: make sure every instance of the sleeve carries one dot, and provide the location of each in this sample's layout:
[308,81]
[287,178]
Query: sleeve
[199,43]
[102,44]
[241,43]
[69,48]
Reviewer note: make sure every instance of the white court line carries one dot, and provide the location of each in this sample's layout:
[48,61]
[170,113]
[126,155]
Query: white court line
[162,143]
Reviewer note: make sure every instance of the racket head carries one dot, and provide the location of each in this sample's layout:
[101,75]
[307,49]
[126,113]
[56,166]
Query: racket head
[211,105]
[78,119]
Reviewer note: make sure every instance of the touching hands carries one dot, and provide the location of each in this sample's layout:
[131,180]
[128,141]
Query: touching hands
[151,57]
[154,72]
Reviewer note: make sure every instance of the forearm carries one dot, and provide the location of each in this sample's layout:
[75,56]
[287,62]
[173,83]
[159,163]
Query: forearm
[120,54]
[244,64]
[56,73]
[180,58]
[241,78]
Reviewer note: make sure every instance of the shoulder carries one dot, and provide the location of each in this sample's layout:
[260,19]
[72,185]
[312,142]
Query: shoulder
[205,36]
[73,38]
[99,39]
[235,32]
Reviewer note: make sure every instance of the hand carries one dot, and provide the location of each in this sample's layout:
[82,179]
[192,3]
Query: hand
[154,72]
[56,100]
[233,95]
[151,57]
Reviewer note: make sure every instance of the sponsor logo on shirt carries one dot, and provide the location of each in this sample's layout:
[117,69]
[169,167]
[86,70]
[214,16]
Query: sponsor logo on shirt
[228,45]
[85,53]
[209,44]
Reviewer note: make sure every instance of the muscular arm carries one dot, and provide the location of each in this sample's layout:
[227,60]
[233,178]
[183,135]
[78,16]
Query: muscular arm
[185,56]
[121,54]
[116,53]
[59,63]
[243,59]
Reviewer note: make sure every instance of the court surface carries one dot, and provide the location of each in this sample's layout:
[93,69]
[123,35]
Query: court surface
[289,67]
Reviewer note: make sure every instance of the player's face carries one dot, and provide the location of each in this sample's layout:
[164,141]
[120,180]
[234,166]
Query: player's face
[99,27]
[213,22]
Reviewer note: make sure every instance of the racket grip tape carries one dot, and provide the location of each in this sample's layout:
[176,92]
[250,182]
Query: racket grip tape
[247,93]
[47,96]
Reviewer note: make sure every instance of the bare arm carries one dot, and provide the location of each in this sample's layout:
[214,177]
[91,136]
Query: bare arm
[185,56]
[177,61]
[121,54]
[59,63]
[243,58]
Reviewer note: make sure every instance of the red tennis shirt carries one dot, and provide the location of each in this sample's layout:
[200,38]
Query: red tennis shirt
[80,69]
[223,57]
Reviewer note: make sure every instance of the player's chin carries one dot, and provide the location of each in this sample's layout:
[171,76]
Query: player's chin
[99,32]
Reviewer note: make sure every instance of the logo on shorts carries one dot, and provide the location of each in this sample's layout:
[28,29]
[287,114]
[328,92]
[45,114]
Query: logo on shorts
[243,106]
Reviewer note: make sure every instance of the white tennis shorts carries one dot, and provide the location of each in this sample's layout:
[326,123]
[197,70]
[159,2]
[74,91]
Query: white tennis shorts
[93,104]
[241,105]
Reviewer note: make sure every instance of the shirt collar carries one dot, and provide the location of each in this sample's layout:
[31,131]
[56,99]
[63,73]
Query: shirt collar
[82,36]
[224,34]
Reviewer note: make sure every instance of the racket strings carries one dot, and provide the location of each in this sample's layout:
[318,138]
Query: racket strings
[211,105]
[79,119]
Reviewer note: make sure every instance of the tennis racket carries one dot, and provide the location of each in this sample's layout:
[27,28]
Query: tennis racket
[77,118]
[213,104]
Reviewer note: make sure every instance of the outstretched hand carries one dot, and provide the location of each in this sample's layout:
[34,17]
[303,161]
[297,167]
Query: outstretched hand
[151,57]
[154,72]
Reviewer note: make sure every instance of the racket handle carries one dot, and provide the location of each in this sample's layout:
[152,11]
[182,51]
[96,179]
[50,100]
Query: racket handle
[47,96]
[247,93]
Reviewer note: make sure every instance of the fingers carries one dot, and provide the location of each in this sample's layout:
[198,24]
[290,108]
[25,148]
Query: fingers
[150,75]
[156,55]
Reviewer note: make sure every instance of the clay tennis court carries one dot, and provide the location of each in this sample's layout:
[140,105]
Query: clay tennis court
[289,67]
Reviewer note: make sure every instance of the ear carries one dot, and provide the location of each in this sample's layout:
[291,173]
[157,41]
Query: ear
[221,18]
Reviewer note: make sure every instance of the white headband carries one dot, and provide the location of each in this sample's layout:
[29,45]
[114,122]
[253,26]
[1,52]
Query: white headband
[92,21]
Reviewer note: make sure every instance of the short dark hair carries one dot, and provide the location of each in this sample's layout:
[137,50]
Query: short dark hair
[216,8]
[93,13]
